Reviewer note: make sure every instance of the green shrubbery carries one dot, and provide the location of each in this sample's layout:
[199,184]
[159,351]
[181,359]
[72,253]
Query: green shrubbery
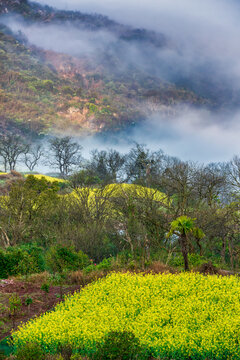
[30,351]
[120,345]
[194,260]
[23,260]
[60,259]
[30,259]
[106,265]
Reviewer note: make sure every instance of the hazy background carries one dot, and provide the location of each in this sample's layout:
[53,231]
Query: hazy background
[203,42]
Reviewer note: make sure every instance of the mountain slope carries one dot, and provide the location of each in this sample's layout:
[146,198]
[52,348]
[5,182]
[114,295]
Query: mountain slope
[45,91]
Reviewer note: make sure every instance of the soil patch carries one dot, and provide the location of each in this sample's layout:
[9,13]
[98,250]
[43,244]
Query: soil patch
[41,302]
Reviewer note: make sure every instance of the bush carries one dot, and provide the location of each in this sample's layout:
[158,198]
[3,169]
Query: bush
[177,260]
[9,261]
[3,265]
[105,265]
[13,255]
[83,260]
[27,265]
[120,346]
[21,260]
[194,260]
[65,352]
[38,254]
[60,259]
[30,351]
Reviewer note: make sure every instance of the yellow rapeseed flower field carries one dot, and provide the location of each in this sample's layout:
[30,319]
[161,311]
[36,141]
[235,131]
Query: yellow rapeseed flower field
[184,316]
[48,178]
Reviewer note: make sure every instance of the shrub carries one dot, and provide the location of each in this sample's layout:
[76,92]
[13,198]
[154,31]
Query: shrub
[13,255]
[27,265]
[15,304]
[45,287]
[196,259]
[30,351]
[193,259]
[37,253]
[83,260]
[119,345]
[59,258]
[106,264]
[3,265]
[65,351]
[68,90]
[177,260]
[22,260]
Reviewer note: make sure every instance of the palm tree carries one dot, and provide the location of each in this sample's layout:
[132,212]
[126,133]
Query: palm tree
[182,227]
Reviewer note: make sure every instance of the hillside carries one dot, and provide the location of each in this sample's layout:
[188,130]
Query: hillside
[44,91]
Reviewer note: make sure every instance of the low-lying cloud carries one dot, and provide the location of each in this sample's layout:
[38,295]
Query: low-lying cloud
[192,134]
[203,55]
[65,39]
[202,31]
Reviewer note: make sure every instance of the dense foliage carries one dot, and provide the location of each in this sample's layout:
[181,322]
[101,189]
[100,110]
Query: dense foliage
[145,203]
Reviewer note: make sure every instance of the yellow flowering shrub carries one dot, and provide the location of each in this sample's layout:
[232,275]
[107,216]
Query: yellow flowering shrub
[185,316]
[48,178]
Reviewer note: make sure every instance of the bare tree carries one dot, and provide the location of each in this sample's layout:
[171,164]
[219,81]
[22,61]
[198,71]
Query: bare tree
[234,173]
[143,166]
[33,156]
[66,154]
[106,165]
[178,182]
[210,183]
[11,147]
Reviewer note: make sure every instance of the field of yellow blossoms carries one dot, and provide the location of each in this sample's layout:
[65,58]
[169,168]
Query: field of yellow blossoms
[185,316]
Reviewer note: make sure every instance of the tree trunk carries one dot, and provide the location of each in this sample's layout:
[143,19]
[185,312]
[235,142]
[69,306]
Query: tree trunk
[231,252]
[223,251]
[184,249]
[6,241]
[200,247]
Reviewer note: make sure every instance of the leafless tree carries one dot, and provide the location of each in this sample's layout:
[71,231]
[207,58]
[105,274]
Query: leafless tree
[66,154]
[11,147]
[33,156]
[234,172]
[106,165]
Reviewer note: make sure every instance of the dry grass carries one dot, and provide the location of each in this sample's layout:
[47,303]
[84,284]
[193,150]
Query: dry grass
[39,279]
[79,278]
[158,267]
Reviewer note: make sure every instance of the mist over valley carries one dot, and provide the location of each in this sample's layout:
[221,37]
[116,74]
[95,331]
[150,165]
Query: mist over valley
[168,72]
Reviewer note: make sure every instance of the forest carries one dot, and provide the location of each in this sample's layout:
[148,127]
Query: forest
[144,203]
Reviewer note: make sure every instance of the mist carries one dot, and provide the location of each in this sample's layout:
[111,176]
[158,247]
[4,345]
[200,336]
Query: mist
[63,39]
[202,32]
[192,134]
[203,54]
